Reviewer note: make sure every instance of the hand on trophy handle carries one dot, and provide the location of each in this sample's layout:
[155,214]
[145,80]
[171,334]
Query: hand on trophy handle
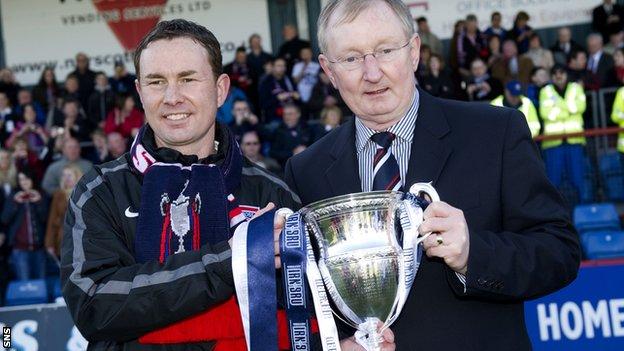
[451,240]
[349,344]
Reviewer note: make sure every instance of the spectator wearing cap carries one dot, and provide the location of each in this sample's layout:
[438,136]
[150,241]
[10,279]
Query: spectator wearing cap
[513,98]
[521,32]
[496,28]
[427,37]
[562,104]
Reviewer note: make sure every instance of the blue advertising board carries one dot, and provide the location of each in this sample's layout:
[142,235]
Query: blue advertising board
[586,315]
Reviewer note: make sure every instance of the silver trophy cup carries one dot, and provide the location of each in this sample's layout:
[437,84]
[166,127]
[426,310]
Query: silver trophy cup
[368,253]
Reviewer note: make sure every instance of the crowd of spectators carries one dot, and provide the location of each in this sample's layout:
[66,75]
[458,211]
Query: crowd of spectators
[52,133]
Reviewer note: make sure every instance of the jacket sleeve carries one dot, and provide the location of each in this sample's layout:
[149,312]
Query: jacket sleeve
[112,297]
[537,251]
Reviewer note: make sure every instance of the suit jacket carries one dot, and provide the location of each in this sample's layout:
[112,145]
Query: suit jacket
[481,159]
[500,70]
[602,77]
[599,20]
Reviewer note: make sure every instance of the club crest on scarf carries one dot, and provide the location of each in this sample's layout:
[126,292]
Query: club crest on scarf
[176,213]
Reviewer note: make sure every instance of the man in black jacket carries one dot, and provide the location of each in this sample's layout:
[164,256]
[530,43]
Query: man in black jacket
[502,233]
[146,241]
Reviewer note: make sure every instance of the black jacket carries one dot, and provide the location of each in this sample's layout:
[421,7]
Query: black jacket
[13,214]
[112,298]
[481,160]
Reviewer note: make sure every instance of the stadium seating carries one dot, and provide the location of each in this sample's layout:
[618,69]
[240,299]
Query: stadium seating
[596,217]
[26,292]
[612,174]
[603,244]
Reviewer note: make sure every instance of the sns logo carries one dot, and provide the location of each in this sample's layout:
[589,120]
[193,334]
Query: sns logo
[6,337]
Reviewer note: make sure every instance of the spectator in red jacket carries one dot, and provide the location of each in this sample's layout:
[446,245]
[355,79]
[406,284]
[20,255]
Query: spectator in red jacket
[125,118]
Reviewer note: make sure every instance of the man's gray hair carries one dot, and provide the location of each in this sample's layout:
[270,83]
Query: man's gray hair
[345,11]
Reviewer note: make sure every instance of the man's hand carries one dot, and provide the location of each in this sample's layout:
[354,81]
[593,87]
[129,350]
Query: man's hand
[349,344]
[278,224]
[450,238]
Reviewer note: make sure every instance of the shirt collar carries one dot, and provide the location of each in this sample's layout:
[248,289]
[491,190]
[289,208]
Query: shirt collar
[404,129]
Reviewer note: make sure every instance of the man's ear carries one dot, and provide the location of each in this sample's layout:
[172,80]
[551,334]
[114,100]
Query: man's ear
[137,85]
[223,88]
[415,51]
[325,65]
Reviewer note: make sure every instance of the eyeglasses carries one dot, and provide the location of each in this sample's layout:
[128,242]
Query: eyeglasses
[382,55]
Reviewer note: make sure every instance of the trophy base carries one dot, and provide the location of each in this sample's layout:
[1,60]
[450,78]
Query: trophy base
[368,334]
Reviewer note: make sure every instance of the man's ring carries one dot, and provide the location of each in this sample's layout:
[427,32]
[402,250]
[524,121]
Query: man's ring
[439,239]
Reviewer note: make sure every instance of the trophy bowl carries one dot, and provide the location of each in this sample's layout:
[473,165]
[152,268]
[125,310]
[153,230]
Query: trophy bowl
[368,252]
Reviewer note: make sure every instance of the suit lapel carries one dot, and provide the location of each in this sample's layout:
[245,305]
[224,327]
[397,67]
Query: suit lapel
[343,174]
[430,149]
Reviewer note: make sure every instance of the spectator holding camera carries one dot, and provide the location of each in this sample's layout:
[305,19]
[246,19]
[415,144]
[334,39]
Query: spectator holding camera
[25,215]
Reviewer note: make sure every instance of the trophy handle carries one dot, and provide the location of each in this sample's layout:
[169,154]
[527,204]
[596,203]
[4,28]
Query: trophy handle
[411,215]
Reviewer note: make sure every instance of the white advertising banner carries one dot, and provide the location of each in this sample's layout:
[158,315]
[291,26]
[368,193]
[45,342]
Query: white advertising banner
[49,33]
[442,14]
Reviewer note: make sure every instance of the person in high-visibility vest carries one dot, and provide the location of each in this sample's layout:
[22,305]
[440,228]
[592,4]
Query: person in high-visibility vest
[617,116]
[513,98]
[562,104]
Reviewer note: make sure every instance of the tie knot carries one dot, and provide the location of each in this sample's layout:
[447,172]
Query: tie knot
[383,139]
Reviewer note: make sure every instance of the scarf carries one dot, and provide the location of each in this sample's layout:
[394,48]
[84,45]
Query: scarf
[191,203]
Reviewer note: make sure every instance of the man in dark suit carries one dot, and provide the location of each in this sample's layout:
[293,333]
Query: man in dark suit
[599,63]
[564,46]
[502,233]
[607,18]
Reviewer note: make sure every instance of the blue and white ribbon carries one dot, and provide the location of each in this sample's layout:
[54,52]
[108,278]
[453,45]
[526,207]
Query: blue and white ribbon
[253,269]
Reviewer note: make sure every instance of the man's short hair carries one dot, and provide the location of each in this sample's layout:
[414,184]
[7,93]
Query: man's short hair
[494,14]
[347,10]
[71,101]
[471,17]
[421,19]
[179,28]
[291,105]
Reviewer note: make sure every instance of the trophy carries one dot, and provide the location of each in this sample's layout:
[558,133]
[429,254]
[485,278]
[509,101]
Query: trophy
[367,251]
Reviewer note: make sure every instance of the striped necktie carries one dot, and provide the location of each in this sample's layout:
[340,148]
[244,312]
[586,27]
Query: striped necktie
[386,174]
